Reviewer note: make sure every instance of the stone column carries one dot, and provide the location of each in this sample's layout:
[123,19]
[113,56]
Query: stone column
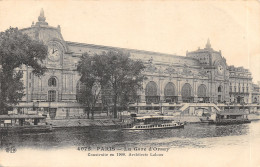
[179,90]
[195,86]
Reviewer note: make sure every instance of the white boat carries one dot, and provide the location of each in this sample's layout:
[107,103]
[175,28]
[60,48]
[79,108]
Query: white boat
[153,123]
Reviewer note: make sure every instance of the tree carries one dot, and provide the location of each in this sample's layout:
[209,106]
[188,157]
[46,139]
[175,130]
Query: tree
[93,78]
[17,49]
[115,73]
[126,78]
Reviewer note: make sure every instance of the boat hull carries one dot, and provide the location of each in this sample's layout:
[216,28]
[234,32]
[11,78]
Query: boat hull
[155,128]
[232,122]
[206,121]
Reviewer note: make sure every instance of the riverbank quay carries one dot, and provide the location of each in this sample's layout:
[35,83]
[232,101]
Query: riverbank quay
[112,122]
[196,119]
[102,120]
[77,122]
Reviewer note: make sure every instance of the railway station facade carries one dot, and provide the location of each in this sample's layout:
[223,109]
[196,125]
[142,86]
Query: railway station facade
[201,76]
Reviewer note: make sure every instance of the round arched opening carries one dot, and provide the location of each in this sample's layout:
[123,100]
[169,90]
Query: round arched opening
[186,93]
[169,93]
[151,95]
[202,94]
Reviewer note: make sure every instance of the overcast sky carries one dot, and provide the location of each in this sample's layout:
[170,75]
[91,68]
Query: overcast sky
[166,26]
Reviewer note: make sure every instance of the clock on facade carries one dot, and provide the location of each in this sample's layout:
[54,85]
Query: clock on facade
[54,52]
[220,69]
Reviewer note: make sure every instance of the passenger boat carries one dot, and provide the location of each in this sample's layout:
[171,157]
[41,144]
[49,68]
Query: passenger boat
[234,117]
[24,123]
[152,123]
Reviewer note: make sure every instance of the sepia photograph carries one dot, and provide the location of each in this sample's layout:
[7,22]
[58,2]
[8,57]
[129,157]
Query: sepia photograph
[130,83]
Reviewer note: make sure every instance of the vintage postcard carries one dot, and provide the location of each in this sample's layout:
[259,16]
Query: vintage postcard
[130,83]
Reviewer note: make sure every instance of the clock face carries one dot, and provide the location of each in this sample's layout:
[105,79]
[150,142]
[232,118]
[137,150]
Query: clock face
[54,52]
[220,69]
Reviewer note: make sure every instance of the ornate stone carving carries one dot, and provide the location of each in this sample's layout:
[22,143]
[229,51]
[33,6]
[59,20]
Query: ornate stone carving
[202,72]
[170,70]
[186,70]
[151,67]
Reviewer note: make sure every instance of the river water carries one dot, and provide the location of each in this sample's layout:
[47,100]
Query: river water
[192,136]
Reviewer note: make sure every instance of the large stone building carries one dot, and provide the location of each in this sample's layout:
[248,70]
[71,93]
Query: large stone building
[200,76]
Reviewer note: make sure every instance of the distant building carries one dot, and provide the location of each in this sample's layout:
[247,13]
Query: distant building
[200,76]
[240,85]
[256,93]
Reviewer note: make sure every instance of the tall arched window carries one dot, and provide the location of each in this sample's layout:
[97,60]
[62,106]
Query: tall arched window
[151,93]
[169,92]
[52,82]
[169,89]
[186,93]
[220,88]
[202,91]
[151,89]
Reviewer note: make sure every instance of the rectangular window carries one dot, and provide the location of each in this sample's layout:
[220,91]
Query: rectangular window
[52,95]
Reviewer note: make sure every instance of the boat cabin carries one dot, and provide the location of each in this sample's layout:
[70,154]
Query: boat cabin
[231,117]
[21,120]
[152,119]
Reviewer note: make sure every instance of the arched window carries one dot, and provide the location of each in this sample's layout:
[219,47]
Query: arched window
[52,82]
[220,88]
[151,93]
[169,89]
[186,93]
[169,93]
[151,89]
[202,91]
[52,95]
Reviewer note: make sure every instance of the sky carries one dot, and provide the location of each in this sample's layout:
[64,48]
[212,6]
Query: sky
[162,26]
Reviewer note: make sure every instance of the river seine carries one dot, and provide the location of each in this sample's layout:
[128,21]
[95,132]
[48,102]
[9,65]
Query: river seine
[107,139]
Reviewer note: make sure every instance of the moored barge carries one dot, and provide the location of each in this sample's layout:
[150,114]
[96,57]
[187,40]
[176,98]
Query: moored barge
[24,123]
[228,117]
